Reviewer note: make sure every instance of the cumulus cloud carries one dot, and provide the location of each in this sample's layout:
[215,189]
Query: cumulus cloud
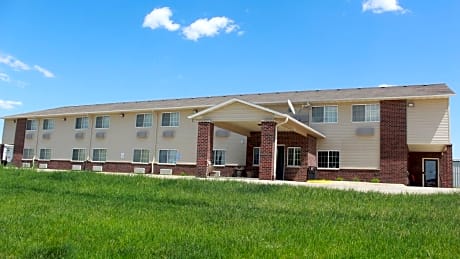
[13,62]
[160,18]
[8,105]
[382,6]
[4,77]
[209,27]
[45,72]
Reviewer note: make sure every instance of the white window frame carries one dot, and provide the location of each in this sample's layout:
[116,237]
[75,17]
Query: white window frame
[168,156]
[32,126]
[82,119]
[105,120]
[324,107]
[214,154]
[141,150]
[84,154]
[328,157]
[99,161]
[143,120]
[295,150]
[31,156]
[254,156]
[170,124]
[366,113]
[48,124]
[47,154]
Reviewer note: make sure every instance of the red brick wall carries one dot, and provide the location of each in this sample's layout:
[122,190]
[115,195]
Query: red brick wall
[267,148]
[445,166]
[204,147]
[19,136]
[349,174]
[393,142]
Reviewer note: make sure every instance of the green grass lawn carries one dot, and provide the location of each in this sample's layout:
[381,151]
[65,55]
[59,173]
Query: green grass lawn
[70,214]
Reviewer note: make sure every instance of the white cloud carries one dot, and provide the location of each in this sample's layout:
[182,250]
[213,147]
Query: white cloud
[45,72]
[14,62]
[209,27]
[382,6]
[160,17]
[385,85]
[4,77]
[8,105]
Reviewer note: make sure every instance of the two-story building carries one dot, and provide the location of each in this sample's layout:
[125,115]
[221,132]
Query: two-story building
[397,134]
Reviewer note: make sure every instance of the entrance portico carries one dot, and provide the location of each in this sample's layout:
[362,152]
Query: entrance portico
[262,126]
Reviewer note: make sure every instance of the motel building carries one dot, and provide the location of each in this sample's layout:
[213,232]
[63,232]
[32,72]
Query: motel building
[398,134]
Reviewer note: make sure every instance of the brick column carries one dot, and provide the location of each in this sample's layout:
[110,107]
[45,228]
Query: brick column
[393,141]
[204,147]
[445,168]
[19,137]
[267,150]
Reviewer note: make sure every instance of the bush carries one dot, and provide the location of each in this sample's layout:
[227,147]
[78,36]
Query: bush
[339,178]
[375,180]
[356,179]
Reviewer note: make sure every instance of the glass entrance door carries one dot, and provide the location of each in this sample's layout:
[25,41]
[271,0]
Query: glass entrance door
[431,172]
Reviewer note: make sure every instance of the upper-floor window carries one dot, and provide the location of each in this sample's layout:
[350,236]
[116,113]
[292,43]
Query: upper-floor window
[167,156]
[293,157]
[78,154]
[366,113]
[324,114]
[31,125]
[81,123]
[141,155]
[99,155]
[102,122]
[28,153]
[170,119]
[45,154]
[256,156]
[219,157]
[48,124]
[329,159]
[144,120]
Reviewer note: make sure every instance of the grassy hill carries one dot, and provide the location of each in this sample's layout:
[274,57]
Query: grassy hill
[84,215]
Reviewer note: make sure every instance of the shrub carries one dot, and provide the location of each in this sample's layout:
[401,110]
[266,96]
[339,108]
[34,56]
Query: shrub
[375,180]
[356,179]
[339,178]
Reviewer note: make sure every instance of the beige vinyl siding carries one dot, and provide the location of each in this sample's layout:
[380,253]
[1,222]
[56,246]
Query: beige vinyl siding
[59,140]
[238,112]
[9,129]
[357,152]
[428,122]
[234,145]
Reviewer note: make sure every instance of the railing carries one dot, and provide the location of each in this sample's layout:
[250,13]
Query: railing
[456,172]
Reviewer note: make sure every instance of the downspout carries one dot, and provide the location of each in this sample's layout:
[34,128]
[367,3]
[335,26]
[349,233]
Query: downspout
[276,145]
[90,122]
[36,143]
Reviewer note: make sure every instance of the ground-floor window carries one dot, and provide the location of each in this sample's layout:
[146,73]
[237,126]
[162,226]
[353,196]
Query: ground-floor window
[28,153]
[256,156]
[78,154]
[218,157]
[99,155]
[167,156]
[141,155]
[293,158]
[45,154]
[328,159]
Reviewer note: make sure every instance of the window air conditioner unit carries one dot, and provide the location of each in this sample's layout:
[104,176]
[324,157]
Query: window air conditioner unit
[222,133]
[29,136]
[43,166]
[79,135]
[46,136]
[97,168]
[76,167]
[26,165]
[166,171]
[365,132]
[139,170]
[100,134]
[142,134]
[168,133]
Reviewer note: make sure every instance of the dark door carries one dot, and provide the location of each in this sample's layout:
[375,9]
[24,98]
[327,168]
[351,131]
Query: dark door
[431,172]
[280,163]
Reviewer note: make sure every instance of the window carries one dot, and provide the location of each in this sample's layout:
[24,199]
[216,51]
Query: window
[102,122]
[256,156]
[168,156]
[28,153]
[366,113]
[48,124]
[99,155]
[324,114]
[328,159]
[144,120]
[31,125]
[78,154]
[170,119]
[141,156]
[45,154]
[293,158]
[218,157]
[81,123]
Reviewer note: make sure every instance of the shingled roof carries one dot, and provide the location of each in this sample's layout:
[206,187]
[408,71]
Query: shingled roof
[311,96]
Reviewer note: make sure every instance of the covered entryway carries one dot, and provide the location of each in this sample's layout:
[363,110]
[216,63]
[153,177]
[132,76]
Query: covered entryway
[263,127]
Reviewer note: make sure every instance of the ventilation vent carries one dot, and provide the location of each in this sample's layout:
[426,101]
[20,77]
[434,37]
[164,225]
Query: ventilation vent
[142,134]
[166,171]
[97,168]
[26,165]
[79,135]
[139,170]
[29,135]
[365,132]
[222,133]
[100,135]
[76,167]
[43,166]
[168,133]
[46,135]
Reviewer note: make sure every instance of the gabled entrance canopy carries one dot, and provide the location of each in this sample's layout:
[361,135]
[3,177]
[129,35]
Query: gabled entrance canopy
[244,117]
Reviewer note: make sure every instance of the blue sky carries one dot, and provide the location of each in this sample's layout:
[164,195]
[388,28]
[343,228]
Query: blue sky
[57,53]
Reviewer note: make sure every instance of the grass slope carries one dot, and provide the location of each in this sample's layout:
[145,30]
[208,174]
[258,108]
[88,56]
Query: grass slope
[81,215]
